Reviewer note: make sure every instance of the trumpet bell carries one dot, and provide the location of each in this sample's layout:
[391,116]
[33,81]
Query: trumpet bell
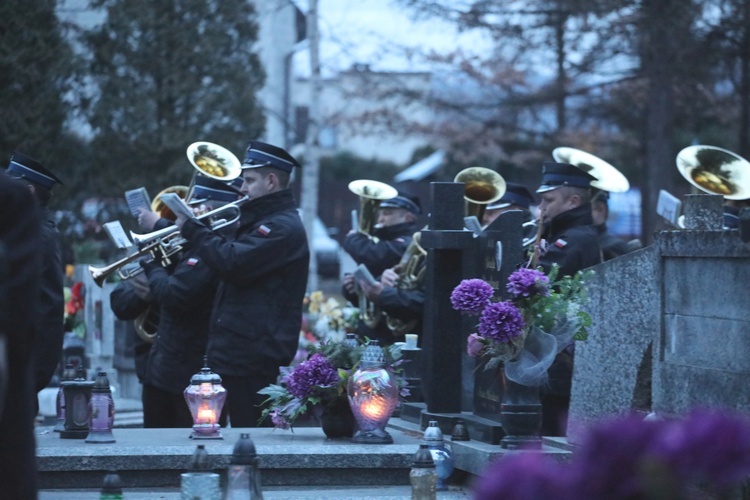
[158,206]
[373,190]
[214,161]
[715,171]
[608,178]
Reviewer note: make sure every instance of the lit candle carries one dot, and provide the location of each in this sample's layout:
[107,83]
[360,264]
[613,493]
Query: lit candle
[206,416]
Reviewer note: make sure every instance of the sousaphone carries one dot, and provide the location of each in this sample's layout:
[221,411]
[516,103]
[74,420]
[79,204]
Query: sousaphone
[608,178]
[715,171]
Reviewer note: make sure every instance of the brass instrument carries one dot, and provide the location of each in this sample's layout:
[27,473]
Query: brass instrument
[608,178]
[213,161]
[715,171]
[482,187]
[411,275]
[146,324]
[370,193]
[158,206]
[163,243]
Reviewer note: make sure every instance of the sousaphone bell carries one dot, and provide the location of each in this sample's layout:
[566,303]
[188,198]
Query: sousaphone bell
[213,161]
[715,171]
[370,193]
[608,178]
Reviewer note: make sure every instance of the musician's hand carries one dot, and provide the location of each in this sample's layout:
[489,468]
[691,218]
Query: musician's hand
[149,263]
[180,221]
[389,277]
[348,283]
[147,219]
[372,292]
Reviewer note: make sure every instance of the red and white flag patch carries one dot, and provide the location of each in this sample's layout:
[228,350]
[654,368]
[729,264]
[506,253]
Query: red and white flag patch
[192,261]
[560,243]
[264,230]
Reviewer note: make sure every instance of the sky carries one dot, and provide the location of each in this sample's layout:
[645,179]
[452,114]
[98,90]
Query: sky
[371,31]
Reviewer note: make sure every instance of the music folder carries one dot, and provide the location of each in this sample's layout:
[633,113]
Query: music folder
[669,207]
[138,200]
[177,205]
[364,274]
[117,234]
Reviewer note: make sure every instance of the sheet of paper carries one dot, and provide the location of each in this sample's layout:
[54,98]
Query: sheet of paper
[137,200]
[117,234]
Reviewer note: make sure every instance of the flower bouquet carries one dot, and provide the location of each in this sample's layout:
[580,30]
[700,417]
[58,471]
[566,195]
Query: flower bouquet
[542,317]
[327,319]
[319,381]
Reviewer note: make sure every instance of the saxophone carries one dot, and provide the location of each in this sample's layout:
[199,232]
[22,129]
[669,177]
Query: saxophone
[411,276]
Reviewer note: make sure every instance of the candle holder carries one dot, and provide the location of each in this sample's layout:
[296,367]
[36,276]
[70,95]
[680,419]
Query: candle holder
[101,411]
[205,398]
[77,393]
[69,373]
[373,396]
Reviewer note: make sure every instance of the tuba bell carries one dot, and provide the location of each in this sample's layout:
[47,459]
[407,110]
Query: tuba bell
[608,178]
[370,193]
[213,161]
[158,206]
[715,171]
[482,187]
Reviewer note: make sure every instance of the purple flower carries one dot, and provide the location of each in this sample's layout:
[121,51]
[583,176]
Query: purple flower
[316,371]
[524,476]
[501,322]
[527,282]
[471,296]
[278,420]
[474,345]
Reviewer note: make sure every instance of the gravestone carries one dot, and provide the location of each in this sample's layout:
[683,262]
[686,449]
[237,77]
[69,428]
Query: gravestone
[684,296]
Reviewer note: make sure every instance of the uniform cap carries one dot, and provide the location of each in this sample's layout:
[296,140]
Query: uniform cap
[555,175]
[206,188]
[515,194]
[25,167]
[405,201]
[260,154]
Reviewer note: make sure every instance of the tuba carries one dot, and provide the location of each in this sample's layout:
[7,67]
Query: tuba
[370,193]
[411,276]
[482,187]
[608,178]
[158,206]
[715,171]
[213,161]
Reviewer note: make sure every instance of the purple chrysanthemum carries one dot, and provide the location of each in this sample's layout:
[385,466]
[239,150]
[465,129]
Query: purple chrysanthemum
[471,296]
[501,322]
[524,476]
[316,371]
[474,345]
[278,420]
[527,282]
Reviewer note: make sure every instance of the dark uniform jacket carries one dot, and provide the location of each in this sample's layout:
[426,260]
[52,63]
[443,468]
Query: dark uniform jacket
[263,276]
[611,245]
[51,304]
[572,240]
[127,306]
[574,245]
[20,228]
[384,249]
[185,297]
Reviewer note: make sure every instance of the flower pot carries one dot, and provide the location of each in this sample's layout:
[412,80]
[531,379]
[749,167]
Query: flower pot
[337,419]
[520,415]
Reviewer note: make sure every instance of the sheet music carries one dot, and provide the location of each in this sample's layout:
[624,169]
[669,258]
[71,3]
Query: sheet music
[117,234]
[669,207]
[177,205]
[137,199]
[362,273]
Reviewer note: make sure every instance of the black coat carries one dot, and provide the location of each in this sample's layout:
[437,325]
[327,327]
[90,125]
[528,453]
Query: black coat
[263,276]
[573,242]
[127,306]
[573,245]
[383,249]
[51,307]
[185,297]
[611,245]
[20,237]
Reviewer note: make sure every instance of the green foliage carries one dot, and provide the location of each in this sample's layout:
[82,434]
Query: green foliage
[170,73]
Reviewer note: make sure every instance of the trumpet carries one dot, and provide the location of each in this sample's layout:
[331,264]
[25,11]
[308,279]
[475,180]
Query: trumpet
[164,243]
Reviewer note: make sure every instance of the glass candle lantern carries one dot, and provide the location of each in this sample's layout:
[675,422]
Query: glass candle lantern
[101,411]
[205,398]
[373,396]
[77,393]
[69,373]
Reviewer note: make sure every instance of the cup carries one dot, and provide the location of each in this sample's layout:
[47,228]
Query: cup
[411,341]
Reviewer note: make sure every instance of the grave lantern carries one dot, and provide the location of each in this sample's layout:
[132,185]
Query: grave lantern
[205,398]
[77,393]
[101,411]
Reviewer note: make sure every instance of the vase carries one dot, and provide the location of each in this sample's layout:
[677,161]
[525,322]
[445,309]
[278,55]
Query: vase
[337,419]
[520,415]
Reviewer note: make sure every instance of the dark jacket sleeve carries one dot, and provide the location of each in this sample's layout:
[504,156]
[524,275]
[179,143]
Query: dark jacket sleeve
[378,255]
[179,290]
[401,303]
[51,307]
[125,303]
